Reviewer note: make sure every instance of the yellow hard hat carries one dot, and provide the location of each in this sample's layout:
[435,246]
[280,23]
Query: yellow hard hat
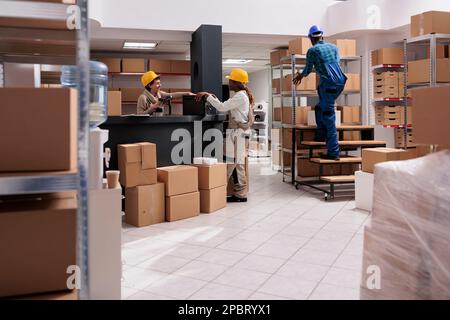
[148,77]
[238,75]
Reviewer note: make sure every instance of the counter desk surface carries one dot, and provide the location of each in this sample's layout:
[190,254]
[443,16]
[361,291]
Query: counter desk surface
[158,130]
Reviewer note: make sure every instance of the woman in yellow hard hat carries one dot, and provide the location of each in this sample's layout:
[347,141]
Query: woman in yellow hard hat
[240,111]
[153,98]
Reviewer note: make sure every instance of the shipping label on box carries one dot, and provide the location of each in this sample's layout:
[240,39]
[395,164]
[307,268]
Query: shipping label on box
[145,205]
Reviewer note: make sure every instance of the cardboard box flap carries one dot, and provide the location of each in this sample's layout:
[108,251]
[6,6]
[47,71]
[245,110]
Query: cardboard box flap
[131,153]
[146,154]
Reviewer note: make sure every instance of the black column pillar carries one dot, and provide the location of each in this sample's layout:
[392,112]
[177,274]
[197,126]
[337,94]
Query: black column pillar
[206,60]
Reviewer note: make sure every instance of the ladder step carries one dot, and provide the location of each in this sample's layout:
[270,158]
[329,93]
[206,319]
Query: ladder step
[354,143]
[342,160]
[338,179]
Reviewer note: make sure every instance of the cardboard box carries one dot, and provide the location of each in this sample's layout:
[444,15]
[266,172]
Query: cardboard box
[353,82]
[145,205]
[113,64]
[137,164]
[299,46]
[114,103]
[364,190]
[179,179]
[312,118]
[370,157]
[392,115]
[400,138]
[131,94]
[133,65]
[390,78]
[301,115]
[275,56]
[442,52]
[213,199]
[181,66]
[160,66]
[276,84]
[346,47]
[350,114]
[430,22]
[388,56]
[431,116]
[308,84]
[182,206]
[276,114]
[386,91]
[419,71]
[211,176]
[37,244]
[38,129]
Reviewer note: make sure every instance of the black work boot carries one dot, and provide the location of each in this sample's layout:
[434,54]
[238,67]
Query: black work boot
[236,199]
[328,157]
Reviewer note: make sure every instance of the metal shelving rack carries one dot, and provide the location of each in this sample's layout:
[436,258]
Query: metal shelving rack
[432,40]
[39,35]
[298,62]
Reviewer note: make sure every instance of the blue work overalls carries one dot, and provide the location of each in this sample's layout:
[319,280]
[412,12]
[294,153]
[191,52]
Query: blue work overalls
[329,89]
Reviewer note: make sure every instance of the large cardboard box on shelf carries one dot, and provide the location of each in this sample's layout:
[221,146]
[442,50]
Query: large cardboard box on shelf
[133,65]
[113,64]
[276,84]
[213,199]
[276,55]
[353,82]
[431,116]
[114,103]
[346,47]
[211,176]
[137,164]
[131,94]
[37,243]
[181,66]
[430,22]
[419,71]
[301,115]
[299,46]
[308,84]
[160,66]
[145,205]
[179,179]
[182,206]
[350,114]
[370,157]
[388,56]
[38,129]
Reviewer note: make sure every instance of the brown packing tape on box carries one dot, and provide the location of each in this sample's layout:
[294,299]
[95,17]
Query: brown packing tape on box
[213,199]
[182,206]
[179,179]
[41,134]
[37,244]
[145,205]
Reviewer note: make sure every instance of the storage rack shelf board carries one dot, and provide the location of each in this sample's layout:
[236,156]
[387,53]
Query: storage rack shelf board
[21,23]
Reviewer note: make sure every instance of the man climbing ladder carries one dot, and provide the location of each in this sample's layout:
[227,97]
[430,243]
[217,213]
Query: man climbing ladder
[324,57]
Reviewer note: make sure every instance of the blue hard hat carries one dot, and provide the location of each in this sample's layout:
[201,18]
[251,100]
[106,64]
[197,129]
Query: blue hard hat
[314,31]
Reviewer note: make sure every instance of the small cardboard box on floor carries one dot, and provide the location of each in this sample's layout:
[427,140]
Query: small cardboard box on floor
[137,164]
[145,205]
[212,182]
[181,188]
[370,157]
[37,243]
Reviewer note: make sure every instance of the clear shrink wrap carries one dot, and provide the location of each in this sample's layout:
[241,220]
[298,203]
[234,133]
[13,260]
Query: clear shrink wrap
[407,244]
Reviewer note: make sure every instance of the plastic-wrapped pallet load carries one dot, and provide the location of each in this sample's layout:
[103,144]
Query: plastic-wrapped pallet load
[407,245]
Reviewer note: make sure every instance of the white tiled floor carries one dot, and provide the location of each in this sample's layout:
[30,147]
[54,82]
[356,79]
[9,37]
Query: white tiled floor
[283,244]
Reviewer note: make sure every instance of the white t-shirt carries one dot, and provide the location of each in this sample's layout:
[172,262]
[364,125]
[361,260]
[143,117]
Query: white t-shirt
[238,106]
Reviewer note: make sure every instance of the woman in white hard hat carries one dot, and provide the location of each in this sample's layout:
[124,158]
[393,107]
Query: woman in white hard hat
[153,98]
[240,110]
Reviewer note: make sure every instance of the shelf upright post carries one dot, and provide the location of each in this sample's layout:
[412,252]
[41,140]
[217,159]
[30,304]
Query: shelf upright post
[432,60]
[405,92]
[294,121]
[283,169]
[82,59]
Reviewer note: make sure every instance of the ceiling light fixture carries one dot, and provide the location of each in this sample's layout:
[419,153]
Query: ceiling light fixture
[236,61]
[140,45]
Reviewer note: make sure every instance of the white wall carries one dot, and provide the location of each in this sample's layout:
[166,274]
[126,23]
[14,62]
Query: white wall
[259,84]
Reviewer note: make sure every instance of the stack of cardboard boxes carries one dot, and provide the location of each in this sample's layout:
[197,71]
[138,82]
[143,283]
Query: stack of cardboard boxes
[141,65]
[144,204]
[393,115]
[182,195]
[37,232]
[389,84]
[400,138]
[212,182]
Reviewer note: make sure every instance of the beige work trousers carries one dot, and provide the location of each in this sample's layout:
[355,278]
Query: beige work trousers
[236,152]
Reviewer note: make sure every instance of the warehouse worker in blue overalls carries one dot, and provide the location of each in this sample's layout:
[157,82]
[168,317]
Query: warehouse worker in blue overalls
[324,57]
